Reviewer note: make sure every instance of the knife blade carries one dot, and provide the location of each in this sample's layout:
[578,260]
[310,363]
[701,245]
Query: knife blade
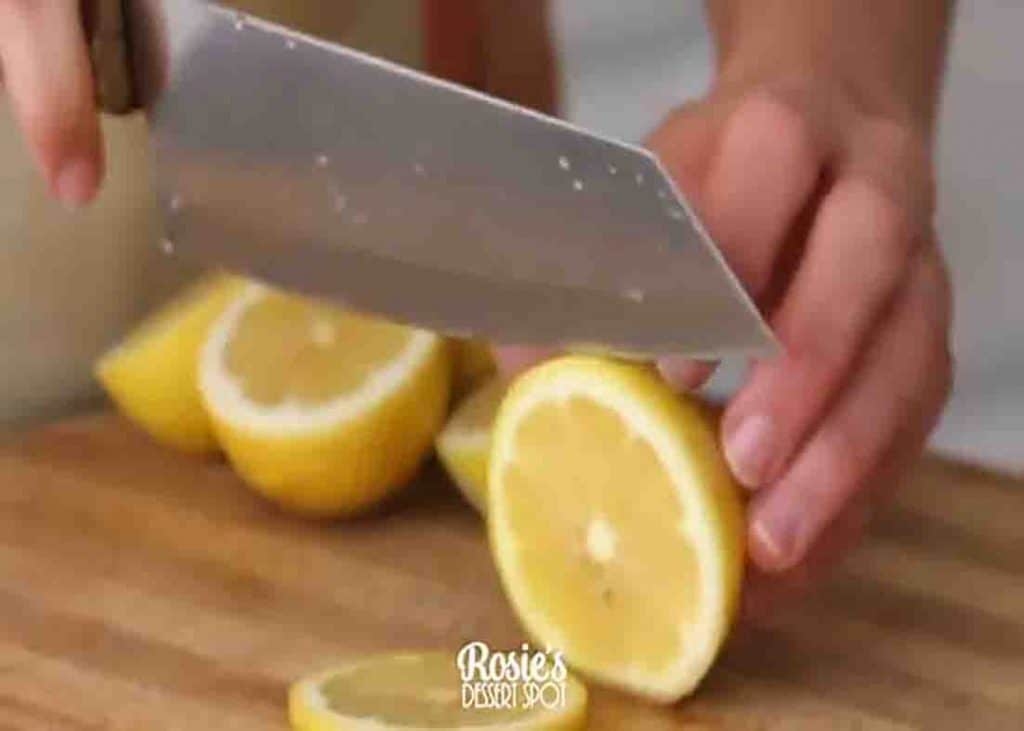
[344,176]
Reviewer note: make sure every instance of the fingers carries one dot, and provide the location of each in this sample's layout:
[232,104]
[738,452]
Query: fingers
[685,143]
[750,190]
[855,259]
[768,163]
[893,400]
[48,76]
[764,593]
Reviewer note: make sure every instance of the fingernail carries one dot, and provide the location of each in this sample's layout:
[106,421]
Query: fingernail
[748,450]
[76,183]
[776,541]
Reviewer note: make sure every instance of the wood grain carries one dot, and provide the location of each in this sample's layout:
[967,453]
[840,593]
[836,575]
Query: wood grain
[140,589]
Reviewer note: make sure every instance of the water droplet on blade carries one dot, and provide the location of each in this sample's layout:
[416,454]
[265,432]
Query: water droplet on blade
[577,184]
[167,246]
[291,44]
[563,162]
[322,161]
[639,178]
[176,203]
[612,170]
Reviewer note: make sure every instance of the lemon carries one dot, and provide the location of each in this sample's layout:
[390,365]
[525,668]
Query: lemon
[151,376]
[417,691]
[474,364]
[464,445]
[615,525]
[324,411]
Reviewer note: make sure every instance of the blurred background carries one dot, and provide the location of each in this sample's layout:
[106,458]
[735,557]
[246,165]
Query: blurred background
[71,284]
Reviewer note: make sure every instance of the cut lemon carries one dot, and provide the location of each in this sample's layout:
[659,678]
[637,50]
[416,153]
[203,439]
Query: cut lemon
[464,445]
[615,524]
[420,691]
[151,376]
[474,364]
[322,410]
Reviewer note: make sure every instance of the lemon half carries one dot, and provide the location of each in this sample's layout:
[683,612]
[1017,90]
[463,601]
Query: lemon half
[322,410]
[151,375]
[615,524]
[464,445]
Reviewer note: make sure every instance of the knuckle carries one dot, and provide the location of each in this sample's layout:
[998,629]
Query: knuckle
[843,460]
[898,139]
[771,115]
[824,356]
[887,238]
[897,158]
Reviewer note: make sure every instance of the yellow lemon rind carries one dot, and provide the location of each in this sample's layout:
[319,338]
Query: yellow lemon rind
[151,376]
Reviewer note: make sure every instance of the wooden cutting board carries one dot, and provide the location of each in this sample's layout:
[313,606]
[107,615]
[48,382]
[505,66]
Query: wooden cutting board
[144,590]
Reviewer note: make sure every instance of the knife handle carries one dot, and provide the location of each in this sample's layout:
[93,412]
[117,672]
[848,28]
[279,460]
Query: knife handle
[106,30]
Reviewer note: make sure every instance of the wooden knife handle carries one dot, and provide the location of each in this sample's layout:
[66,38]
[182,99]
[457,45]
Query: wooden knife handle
[106,29]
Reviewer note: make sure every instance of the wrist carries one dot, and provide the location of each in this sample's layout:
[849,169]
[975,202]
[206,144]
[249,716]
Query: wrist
[885,58]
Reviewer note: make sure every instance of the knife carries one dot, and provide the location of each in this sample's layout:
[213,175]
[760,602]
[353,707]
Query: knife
[344,176]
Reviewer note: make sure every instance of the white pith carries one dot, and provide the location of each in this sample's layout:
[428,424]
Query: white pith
[226,398]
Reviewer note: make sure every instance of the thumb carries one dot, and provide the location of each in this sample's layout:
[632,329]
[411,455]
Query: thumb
[47,73]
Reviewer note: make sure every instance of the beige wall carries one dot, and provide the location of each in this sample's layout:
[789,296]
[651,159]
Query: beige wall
[69,282]
[72,283]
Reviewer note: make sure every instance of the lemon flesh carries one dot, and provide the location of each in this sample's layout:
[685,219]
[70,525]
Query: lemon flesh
[414,691]
[151,376]
[615,525]
[464,445]
[322,410]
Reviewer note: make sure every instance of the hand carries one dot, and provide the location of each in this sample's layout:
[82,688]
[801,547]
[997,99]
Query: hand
[823,208]
[47,73]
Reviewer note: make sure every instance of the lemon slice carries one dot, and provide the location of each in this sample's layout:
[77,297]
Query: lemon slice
[474,364]
[464,445]
[614,523]
[151,376]
[420,691]
[323,411]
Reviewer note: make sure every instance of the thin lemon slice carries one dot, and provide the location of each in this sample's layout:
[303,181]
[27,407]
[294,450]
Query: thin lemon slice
[322,410]
[151,375]
[615,525]
[419,691]
[464,445]
[474,364]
